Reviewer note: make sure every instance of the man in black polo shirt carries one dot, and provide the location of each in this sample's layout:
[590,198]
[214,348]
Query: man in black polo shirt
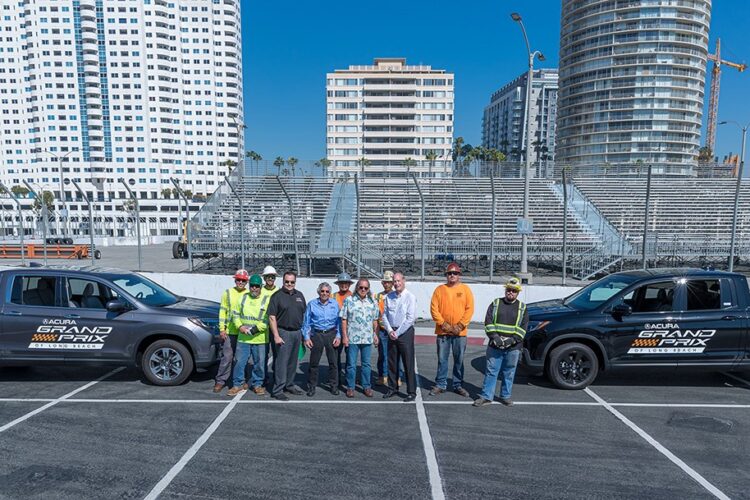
[286,312]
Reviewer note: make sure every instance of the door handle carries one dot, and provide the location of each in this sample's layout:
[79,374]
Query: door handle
[72,316]
[730,318]
[13,313]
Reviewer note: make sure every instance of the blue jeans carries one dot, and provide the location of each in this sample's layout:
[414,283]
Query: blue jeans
[351,366]
[503,363]
[446,344]
[243,352]
[383,357]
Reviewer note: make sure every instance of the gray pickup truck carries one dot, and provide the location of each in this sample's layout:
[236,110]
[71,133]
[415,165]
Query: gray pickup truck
[74,315]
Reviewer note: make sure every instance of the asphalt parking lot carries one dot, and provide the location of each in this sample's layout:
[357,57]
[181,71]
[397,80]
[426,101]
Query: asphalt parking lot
[101,432]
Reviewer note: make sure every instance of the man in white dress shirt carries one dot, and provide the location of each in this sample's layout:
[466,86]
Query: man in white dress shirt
[399,313]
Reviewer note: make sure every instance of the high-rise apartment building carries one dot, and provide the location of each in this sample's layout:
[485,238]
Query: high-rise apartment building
[632,78]
[142,90]
[503,124]
[389,118]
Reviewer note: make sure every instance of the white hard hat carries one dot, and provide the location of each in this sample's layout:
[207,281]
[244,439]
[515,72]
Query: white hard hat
[269,270]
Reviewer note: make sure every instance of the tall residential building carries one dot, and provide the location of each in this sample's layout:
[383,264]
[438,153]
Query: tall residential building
[504,117]
[142,90]
[395,117]
[632,78]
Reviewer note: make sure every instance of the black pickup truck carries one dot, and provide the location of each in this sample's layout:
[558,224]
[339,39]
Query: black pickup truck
[673,318]
[104,316]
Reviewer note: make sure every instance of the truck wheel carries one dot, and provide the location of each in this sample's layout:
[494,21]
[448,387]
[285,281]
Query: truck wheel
[68,241]
[166,362]
[176,250]
[97,254]
[572,366]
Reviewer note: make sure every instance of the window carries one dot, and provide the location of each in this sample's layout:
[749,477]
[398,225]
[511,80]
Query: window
[703,295]
[35,291]
[655,297]
[89,294]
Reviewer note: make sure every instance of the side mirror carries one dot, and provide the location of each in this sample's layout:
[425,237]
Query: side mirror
[117,306]
[622,310]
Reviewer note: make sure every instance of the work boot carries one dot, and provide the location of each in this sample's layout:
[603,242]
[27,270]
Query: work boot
[368,393]
[506,401]
[481,402]
[235,390]
[435,391]
[218,387]
[350,393]
[461,392]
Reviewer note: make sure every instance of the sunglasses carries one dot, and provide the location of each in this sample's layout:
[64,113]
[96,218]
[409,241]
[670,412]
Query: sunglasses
[270,277]
[240,281]
[511,291]
[289,282]
[452,273]
[363,288]
[325,291]
[254,286]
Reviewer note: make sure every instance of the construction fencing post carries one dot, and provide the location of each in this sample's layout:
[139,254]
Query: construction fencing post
[492,226]
[44,215]
[565,228]
[91,219]
[421,202]
[20,220]
[242,221]
[359,248]
[137,220]
[645,217]
[181,193]
[291,215]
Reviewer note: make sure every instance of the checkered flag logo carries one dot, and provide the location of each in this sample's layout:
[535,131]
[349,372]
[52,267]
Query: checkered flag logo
[44,337]
[645,342]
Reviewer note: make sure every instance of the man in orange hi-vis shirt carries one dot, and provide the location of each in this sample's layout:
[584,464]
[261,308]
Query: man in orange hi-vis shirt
[452,307]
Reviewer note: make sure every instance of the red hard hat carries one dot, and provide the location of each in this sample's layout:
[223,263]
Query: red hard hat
[453,267]
[241,274]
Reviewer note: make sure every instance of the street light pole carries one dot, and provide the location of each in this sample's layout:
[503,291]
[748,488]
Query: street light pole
[137,220]
[59,160]
[20,221]
[91,220]
[736,192]
[524,274]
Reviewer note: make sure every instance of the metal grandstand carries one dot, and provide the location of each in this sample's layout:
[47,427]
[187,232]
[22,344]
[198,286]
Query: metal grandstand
[320,224]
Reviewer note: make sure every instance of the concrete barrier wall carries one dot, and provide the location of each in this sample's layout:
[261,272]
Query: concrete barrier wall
[210,286]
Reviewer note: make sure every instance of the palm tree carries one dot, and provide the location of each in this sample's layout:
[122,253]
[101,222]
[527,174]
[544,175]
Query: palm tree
[363,162]
[47,198]
[19,191]
[278,163]
[431,156]
[166,193]
[323,163]
[292,161]
[254,157]
[230,164]
[408,163]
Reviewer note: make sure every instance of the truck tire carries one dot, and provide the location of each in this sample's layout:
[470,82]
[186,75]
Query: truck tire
[572,366]
[166,362]
[176,250]
[68,241]
[97,254]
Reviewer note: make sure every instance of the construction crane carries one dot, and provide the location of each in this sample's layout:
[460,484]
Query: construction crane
[713,99]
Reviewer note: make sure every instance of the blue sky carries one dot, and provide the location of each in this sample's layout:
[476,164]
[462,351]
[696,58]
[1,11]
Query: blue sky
[288,47]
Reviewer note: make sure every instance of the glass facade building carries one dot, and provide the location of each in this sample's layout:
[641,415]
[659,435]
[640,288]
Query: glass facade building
[632,80]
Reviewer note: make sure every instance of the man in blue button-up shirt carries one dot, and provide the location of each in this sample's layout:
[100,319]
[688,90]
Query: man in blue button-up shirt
[322,330]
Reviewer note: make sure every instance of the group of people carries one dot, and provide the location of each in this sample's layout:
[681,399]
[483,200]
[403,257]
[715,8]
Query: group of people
[257,318]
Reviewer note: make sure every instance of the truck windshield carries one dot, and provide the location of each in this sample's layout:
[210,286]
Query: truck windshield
[594,295]
[145,290]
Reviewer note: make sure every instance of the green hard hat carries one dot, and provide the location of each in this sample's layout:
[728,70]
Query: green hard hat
[255,279]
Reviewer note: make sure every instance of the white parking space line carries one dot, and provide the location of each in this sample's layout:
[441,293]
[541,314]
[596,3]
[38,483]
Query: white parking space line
[738,379]
[436,483]
[368,402]
[674,459]
[58,400]
[177,468]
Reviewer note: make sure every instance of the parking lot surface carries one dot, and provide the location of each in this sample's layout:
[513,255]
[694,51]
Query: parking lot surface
[102,432]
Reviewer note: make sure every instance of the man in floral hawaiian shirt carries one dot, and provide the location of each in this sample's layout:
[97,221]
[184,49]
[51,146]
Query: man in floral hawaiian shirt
[359,329]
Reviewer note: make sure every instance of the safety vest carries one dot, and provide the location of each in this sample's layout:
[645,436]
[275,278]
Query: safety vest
[230,300]
[252,311]
[506,329]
